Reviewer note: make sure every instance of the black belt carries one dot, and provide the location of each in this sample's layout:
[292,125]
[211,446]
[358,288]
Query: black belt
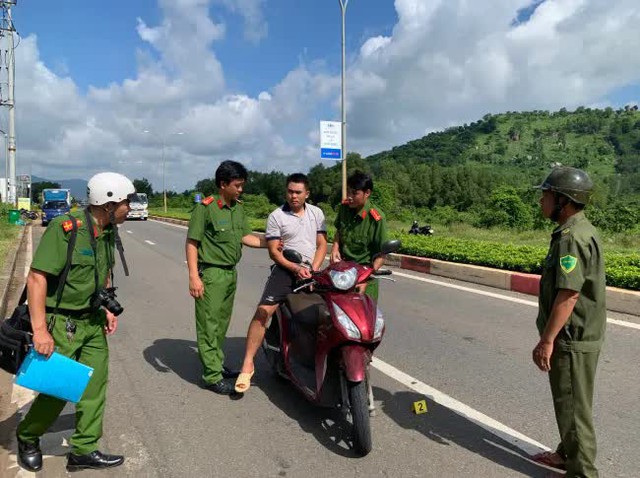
[202,266]
[71,312]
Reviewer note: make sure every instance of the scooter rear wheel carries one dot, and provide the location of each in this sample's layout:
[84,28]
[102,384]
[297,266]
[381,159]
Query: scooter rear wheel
[359,404]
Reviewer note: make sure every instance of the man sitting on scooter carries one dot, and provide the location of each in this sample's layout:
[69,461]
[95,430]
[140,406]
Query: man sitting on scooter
[298,226]
[361,229]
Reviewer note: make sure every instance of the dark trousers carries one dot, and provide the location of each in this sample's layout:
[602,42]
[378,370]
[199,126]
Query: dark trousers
[572,378]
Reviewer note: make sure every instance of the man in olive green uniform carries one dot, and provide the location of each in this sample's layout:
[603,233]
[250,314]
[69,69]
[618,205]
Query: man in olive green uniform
[571,319]
[361,228]
[217,230]
[77,326]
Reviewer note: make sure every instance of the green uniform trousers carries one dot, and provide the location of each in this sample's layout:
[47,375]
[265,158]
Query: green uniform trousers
[572,378]
[213,314]
[372,289]
[87,346]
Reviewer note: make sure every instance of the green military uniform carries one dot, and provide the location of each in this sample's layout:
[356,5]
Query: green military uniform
[362,234]
[88,345]
[219,230]
[575,262]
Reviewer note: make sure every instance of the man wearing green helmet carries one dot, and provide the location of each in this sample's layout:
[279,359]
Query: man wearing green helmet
[571,318]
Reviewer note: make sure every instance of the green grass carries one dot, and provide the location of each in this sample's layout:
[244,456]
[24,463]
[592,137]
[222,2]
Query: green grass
[619,242]
[500,248]
[8,235]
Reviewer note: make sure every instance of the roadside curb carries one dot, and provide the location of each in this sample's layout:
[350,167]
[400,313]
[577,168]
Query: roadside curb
[9,269]
[618,300]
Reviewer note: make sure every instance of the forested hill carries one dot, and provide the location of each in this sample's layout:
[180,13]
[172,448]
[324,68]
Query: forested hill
[466,173]
[461,166]
[604,141]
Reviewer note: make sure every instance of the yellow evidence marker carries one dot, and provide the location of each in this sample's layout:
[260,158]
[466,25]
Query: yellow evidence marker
[419,407]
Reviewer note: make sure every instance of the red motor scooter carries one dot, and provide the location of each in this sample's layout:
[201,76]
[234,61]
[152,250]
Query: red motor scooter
[323,341]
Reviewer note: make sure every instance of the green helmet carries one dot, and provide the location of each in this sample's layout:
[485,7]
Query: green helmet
[571,182]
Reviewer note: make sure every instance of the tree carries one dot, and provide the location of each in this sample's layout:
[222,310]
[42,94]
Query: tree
[143,186]
[506,208]
[206,186]
[36,189]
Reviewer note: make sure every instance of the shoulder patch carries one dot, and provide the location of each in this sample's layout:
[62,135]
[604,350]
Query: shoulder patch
[68,225]
[208,200]
[375,214]
[568,263]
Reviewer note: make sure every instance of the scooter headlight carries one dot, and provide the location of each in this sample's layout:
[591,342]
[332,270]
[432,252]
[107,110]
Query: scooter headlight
[347,324]
[344,280]
[377,333]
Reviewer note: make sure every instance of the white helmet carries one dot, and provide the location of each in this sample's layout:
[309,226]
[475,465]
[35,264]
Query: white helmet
[109,187]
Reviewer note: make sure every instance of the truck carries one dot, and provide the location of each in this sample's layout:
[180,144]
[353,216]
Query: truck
[139,207]
[55,202]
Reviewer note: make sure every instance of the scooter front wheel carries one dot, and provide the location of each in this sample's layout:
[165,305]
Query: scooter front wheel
[359,404]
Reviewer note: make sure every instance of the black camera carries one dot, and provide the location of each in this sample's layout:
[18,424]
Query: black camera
[107,298]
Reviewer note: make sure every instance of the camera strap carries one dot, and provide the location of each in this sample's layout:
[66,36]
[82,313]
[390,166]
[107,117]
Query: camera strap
[65,272]
[62,278]
[94,246]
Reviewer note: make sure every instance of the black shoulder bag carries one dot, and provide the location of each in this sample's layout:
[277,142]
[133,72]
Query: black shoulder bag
[16,332]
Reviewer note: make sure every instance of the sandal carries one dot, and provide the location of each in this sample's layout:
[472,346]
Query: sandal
[550,458]
[243,382]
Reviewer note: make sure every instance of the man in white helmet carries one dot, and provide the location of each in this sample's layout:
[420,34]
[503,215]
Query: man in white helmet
[77,319]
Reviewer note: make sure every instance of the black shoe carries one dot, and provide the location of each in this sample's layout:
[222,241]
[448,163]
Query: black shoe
[96,460]
[223,387]
[29,455]
[228,373]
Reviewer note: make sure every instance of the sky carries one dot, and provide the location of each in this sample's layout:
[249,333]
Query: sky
[250,80]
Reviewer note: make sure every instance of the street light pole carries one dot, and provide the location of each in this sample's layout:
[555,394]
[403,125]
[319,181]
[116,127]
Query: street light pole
[343,10]
[164,189]
[164,144]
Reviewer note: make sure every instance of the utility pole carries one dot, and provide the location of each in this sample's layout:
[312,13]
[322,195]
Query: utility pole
[343,10]
[7,29]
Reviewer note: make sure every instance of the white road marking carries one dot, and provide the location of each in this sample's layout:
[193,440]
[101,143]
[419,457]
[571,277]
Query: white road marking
[517,300]
[129,232]
[170,224]
[515,438]
[149,242]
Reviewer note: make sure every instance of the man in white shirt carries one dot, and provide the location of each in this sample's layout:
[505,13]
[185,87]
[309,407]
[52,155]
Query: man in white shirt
[295,225]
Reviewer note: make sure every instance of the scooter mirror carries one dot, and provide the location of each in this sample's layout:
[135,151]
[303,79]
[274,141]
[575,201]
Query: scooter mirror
[390,246]
[292,256]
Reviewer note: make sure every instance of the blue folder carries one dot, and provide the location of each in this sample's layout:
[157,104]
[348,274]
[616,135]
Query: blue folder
[58,376]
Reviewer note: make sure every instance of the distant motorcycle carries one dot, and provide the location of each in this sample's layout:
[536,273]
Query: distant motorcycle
[28,214]
[425,230]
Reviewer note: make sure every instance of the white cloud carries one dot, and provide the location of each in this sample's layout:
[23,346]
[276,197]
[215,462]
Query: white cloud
[255,26]
[445,62]
[454,61]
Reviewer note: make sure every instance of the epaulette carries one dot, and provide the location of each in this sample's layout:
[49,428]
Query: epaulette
[375,214]
[208,200]
[68,225]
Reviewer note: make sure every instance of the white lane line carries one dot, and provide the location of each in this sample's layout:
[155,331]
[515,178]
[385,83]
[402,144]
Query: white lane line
[515,438]
[622,323]
[468,289]
[169,224]
[149,242]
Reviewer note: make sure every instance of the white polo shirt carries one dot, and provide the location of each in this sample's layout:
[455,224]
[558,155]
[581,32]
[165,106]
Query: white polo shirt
[297,232]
